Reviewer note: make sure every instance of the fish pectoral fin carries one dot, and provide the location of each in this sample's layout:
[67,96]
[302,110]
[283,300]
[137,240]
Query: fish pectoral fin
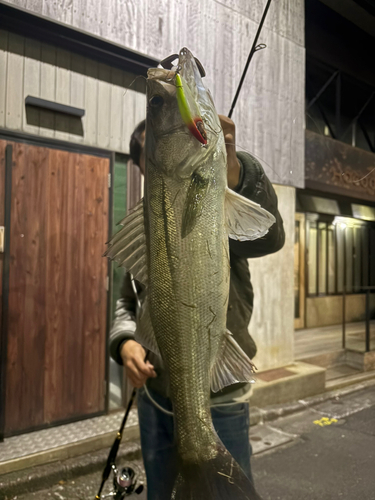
[144,333]
[128,246]
[195,196]
[245,219]
[232,365]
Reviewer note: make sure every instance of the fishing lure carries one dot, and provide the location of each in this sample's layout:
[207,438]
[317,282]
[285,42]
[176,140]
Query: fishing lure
[189,110]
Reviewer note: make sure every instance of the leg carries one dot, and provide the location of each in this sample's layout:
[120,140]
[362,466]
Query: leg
[158,448]
[232,425]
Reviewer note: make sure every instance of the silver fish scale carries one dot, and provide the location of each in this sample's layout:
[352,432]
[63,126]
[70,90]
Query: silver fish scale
[188,293]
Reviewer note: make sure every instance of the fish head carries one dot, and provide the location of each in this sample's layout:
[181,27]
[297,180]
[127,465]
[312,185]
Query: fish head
[182,127]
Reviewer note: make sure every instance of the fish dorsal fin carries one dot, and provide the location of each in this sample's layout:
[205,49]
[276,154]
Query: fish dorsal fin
[246,220]
[128,246]
[195,196]
[232,365]
[144,333]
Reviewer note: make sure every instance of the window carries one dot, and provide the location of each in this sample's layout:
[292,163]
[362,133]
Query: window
[338,105]
[340,255]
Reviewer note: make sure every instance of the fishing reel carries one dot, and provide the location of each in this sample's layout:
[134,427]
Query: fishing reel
[125,483]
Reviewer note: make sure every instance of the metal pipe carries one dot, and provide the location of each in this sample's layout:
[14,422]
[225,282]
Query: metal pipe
[344,296]
[368,320]
[330,79]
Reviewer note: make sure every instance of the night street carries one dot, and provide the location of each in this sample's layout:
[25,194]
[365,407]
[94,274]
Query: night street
[328,462]
[321,459]
[187,249]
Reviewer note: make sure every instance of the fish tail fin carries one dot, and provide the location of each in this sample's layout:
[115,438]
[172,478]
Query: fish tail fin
[220,478]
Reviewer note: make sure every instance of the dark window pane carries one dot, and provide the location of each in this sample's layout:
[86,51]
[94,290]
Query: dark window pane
[296,268]
[331,261]
[372,257]
[349,259]
[322,259]
[365,256]
[357,261]
[340,228]
[312,258]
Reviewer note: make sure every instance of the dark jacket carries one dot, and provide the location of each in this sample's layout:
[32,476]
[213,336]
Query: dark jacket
[255,186]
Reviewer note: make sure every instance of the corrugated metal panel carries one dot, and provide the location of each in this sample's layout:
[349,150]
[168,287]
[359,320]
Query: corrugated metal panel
[29,67]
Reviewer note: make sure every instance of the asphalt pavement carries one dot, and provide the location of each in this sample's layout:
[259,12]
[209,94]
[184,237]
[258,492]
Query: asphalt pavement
[326,452]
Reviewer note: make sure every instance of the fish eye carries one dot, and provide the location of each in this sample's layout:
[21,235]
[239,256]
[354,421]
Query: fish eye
[156,101]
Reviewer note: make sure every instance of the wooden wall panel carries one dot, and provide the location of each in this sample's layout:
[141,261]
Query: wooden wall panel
[62,92]
[56,272]
[17,294]
[128,118]
[115,113]
[77,89]
[31,84]
[95,231]
[34,248]
[58,295]
[91,101]
[14,83]
[76,346]
[47,88]
[3,73]
[2,214]
[104,105]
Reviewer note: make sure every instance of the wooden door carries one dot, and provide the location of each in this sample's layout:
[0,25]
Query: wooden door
[2,259]
[299,271]
[56,328]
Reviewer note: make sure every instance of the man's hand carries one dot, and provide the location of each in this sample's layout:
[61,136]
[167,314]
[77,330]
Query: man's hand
[234,168]
[133,356]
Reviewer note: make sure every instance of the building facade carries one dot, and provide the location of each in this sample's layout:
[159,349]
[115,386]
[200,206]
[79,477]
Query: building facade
[335,226]
[71,92]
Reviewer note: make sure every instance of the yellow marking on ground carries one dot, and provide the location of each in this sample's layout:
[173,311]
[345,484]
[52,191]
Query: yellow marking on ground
[325,421]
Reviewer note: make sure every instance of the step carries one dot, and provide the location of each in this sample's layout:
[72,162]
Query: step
[326,359]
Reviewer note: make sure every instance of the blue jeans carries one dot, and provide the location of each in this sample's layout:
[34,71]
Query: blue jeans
[159,450]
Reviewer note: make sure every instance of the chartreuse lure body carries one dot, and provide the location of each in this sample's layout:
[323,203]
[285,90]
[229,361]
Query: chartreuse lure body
[189,110]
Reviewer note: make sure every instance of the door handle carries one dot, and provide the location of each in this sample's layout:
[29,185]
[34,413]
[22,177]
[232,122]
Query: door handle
[2,239]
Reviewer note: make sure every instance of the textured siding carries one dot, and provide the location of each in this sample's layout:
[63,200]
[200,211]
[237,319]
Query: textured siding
[270,112]
[29,67]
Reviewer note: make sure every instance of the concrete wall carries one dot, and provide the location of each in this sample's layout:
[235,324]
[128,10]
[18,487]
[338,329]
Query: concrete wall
[270,111]
[325,311]
[272,324]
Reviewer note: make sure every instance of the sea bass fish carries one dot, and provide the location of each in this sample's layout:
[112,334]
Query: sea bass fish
[176,243]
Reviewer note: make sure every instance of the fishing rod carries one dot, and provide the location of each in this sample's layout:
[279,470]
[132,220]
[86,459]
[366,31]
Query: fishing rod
[254,48]
[124,481]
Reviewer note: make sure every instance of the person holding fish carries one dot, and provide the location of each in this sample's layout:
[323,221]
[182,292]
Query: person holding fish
[181,326]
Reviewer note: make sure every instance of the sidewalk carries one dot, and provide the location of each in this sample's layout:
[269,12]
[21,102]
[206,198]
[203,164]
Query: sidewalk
[33,477]
[64,441]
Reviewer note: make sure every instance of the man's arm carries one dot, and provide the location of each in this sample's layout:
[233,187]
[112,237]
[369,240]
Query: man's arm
[122,346]
[123,327]
[255,185]
[246,176]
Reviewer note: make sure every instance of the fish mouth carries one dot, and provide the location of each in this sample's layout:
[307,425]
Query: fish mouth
[187,78]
